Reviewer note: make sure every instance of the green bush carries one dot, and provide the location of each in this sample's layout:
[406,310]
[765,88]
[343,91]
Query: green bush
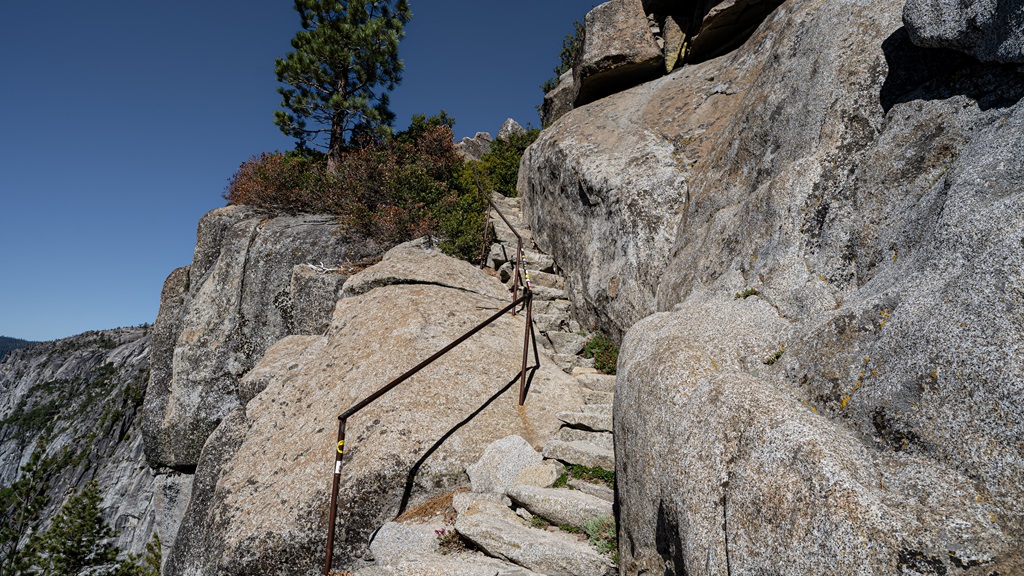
[570,46]
[604,352]
[602,534]
[391,189]
[595,474]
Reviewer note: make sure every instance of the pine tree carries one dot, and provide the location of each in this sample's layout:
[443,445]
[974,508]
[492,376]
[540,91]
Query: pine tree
[79,538]
[21,505]
[345,62]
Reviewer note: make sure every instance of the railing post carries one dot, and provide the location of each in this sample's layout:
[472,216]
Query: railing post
[526,344]
[515,272]
[333,515]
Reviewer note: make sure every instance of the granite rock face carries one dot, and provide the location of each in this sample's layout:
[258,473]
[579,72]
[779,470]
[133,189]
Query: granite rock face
[601,193]
[839,292]
[261,494]
[618,51]
[989,30]
[218,317]
[722,468]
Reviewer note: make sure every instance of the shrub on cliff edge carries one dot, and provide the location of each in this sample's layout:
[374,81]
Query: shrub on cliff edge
[391,189]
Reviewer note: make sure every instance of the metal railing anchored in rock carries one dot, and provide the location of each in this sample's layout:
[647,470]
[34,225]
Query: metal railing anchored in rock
[526,300]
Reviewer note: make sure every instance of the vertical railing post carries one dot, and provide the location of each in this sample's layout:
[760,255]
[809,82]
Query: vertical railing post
[333,515]
[487,215]
[515,273]
[526,345]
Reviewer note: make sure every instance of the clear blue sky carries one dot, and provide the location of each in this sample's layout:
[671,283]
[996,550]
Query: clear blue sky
[123,119]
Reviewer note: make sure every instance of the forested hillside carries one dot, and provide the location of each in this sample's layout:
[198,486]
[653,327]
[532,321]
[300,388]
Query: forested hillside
[7,344]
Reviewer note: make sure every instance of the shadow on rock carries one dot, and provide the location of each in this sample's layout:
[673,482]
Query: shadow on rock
[410,479]
[917,73]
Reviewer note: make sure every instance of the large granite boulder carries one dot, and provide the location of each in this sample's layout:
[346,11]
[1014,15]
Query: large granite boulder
[601,193]
[558,101]
[261,494]
[725,25]
[722,467]
[709,28]
[989,30]
[618,51]
[220,314]
[849,212]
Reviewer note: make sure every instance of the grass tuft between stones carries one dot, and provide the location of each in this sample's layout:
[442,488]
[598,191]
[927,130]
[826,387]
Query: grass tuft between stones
[596,474]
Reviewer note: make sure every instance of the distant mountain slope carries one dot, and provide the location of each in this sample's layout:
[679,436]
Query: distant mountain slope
[8,344]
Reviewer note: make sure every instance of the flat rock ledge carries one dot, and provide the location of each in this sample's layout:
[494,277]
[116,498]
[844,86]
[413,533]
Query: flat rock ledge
[501,533]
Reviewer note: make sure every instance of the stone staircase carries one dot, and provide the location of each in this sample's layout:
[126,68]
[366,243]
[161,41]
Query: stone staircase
[514,521]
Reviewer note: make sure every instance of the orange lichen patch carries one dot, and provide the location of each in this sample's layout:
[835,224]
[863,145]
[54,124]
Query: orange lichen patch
[885,314]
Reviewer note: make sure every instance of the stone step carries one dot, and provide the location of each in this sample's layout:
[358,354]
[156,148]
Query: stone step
[564,361]
[560,506]
[552,307]
[599,490]
[597,382]
[581,453]
[499,532]
[414,549]
[566,342]
[551,322]
[545,293]
[546,280]
[536,262]
[449,564]
[586,421]
[604,440]
[605,409]
[594,397]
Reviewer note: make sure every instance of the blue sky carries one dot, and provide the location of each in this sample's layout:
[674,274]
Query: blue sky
[122,121]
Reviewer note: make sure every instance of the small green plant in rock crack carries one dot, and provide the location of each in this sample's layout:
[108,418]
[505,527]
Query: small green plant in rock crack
[449,541]
[747,293]
[603,535]
[595,474]
[776,355]
[570,528]
[604,352]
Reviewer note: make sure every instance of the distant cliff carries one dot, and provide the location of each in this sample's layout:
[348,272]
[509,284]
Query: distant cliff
[78,400]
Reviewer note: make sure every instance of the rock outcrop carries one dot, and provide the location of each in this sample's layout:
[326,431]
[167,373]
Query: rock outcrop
[989,30]
[828,222]
[474,148]
[510,128]
[617,51]
[558,101]
[220,314]
[407,447]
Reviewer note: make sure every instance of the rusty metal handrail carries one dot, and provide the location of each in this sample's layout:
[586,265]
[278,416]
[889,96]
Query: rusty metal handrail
[519,237]
[526,299]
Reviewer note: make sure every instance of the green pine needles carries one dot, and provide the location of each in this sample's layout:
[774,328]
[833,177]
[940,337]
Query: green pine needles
[344,63]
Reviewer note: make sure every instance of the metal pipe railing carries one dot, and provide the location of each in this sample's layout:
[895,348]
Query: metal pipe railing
[526,299]
[519,237]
